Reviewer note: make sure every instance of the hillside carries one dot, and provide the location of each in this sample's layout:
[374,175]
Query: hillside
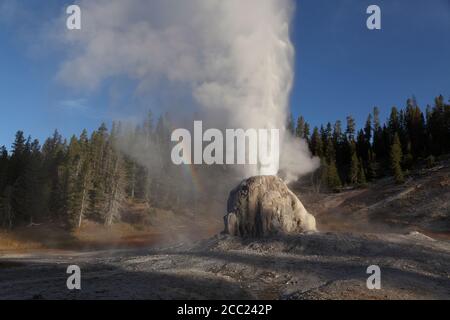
[422,204]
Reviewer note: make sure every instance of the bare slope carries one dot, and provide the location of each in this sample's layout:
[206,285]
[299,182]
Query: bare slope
[421,204]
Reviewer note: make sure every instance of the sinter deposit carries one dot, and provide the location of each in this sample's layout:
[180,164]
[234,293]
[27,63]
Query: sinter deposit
[263,206]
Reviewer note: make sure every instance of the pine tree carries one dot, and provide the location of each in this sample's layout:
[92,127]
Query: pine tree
[98,156]
[37,173]
[4,164]
[85,179]
[6,210]
[361,174]
[316,143]
[20,187]
[27,200]
[339,142]
[368,129]
[362,146]
[54,152]
[78,180]
[438,126]
[300,129]
[18,158]
[331,175]
[414,127]
[5,190]
[337,133]
[354,166]
[307,133]
[323,138]
[333,180]
[367,146]
[396,159]
[372,166]
[323,175]
[376,119]
[290,126]
[394,123]
[351,128]
[114,180]
[378,145]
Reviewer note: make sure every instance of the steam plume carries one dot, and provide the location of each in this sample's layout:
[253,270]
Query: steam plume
[231,60]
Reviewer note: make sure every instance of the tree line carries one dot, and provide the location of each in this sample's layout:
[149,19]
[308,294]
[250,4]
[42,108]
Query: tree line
[93,176]
[353,157]
[86,177]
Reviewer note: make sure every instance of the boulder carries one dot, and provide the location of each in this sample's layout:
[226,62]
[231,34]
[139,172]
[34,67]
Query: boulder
[263,206]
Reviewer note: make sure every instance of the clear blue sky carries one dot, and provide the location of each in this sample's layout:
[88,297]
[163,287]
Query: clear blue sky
[341,67]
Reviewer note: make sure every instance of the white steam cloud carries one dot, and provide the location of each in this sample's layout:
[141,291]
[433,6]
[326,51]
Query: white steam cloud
[232,60]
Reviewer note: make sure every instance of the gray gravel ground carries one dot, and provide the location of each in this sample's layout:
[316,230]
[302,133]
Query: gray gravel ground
[308,266]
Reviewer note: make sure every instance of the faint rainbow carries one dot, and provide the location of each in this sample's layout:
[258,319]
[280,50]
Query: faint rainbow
[191,171]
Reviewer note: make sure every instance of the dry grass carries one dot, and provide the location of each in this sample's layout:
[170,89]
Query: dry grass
[9,242]
[144,227]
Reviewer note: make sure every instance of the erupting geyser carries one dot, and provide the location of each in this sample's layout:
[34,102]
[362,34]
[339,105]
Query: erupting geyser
[229,62]
[263,206]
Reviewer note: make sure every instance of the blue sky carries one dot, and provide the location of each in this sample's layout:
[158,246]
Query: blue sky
[342,68]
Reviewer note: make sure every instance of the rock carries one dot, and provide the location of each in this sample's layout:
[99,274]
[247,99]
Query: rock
[263,206]
[419,236]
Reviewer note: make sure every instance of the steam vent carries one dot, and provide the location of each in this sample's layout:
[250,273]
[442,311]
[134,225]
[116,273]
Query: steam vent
[263,206]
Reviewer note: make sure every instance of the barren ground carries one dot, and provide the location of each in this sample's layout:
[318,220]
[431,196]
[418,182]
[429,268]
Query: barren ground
[359,228]
[310,266]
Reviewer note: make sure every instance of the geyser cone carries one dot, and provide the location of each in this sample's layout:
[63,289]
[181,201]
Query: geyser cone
[263,206]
